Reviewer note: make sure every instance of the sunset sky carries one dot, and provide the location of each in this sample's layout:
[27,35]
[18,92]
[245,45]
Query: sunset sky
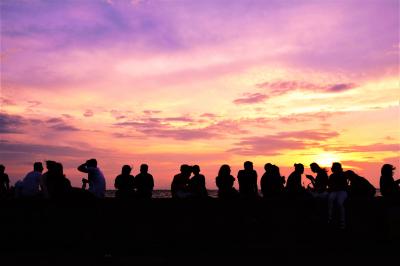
[199,82]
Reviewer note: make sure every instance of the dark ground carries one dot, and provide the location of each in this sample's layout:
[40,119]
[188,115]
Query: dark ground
[189,232]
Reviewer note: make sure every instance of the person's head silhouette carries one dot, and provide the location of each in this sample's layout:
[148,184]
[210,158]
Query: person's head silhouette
[38,167]
[336,168]
[268,167]
[2,169]
[196,169]
[299,168]
[144,168]
[351,175]
[315,167]
[224,170]
[248,166]
[184,168]
[50,165]
[59,169]
[126,170]
[387,170]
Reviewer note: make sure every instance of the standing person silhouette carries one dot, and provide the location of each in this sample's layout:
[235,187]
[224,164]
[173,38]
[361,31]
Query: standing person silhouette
[224,182]
[389,187]
[96,180]
[144,183]
[124,183]
[4,182]
[247,179]
[293,185]
[337,187]
[197,184]
[319,183]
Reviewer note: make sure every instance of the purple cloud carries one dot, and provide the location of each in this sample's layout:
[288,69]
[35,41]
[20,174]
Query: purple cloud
[340,87]
[11,123]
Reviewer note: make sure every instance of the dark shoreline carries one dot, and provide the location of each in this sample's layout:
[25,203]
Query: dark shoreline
[110,229]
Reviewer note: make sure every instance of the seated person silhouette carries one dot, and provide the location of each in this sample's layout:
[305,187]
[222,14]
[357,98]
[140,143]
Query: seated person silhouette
[96,179]
[225,182]
[390,188]
[180,182]
[247,179]
[359,187]
[293,185]
[144,183]
[58,185]
[197,183]
[31,183]
[51,169]
[4,182]
[319,183]
[124,183]
[272,183]
[337,188]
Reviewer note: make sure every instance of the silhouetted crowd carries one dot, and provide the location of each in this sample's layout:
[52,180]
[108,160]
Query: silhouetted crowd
[190,183]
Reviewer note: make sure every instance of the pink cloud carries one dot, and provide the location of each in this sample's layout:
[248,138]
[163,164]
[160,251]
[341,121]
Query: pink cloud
[251,98]
[276,88]
[88,113]
[275,144]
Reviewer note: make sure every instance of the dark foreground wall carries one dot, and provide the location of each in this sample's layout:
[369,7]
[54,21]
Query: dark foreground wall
[281,231]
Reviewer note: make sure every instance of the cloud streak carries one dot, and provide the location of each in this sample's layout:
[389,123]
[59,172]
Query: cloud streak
[277,88]
[280,142]
[251,98]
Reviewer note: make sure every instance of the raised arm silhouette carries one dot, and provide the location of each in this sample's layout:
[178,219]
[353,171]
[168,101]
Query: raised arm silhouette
[96,180]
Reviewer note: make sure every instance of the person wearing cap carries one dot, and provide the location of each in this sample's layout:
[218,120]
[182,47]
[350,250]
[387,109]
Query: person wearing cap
[96,179]
[124,183]
[389,187]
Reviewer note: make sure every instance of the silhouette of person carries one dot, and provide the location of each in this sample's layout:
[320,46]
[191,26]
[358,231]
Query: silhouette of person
[96,180]
[337,187]
[359,187]
[58,185]
[32,182]
[197,183]
[4,182]
[180,182]
[272,183]
[51,168]
[144,183]
[247,179]
[224,182]
[319,183]
[293,184]
[124,183]
[390,188]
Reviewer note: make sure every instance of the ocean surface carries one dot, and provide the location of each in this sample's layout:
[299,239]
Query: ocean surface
[164,194]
